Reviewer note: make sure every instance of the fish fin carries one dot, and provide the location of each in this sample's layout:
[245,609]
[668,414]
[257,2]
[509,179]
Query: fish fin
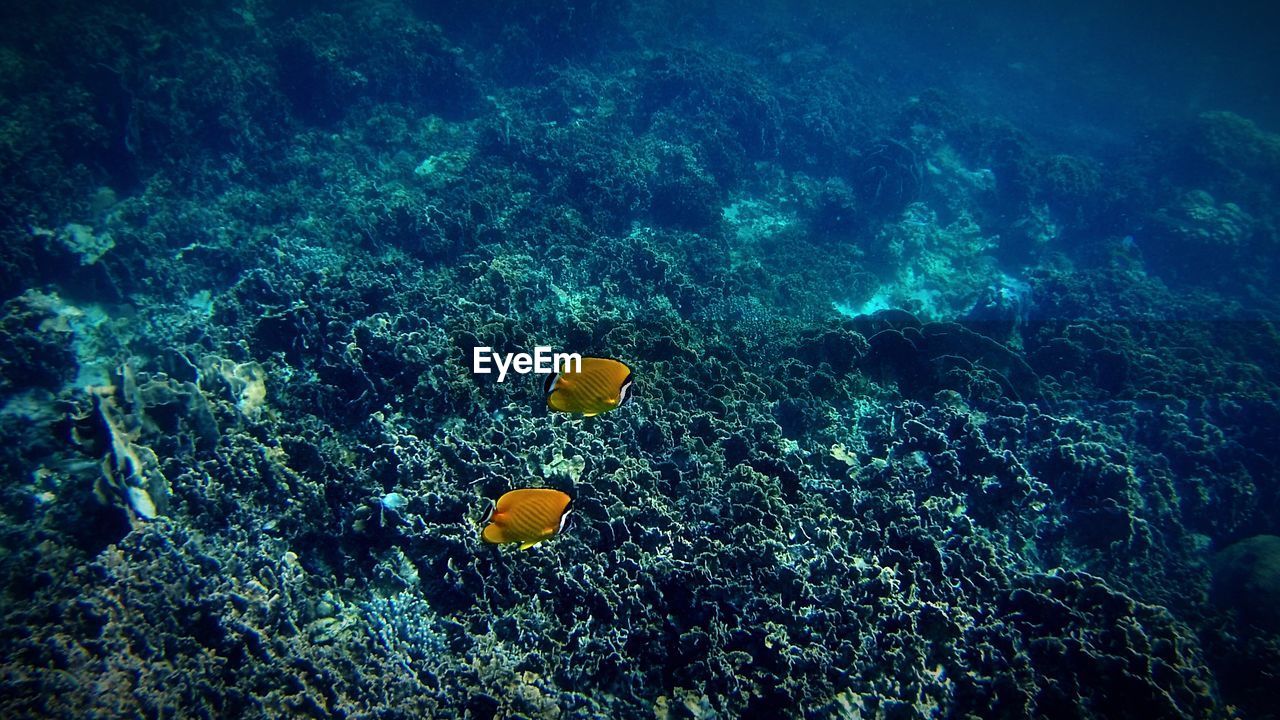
[529,544]
[589,414]
[494,538]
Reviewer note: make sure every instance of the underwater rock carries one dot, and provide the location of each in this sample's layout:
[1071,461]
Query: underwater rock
[1198,239]
[1072,187]
[887,176]
[1238,158]
[921,356]
[839,348]
[1246,577]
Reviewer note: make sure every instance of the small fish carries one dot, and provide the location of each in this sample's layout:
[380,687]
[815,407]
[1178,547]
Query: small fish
[527,516]
[600,385]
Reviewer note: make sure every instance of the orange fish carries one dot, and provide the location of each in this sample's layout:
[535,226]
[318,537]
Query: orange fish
[527,516]
[599,386]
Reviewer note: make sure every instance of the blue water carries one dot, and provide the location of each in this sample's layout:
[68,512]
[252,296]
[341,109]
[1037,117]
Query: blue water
[950,328]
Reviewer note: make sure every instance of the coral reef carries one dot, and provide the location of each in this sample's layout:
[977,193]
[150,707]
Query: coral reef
[932,417]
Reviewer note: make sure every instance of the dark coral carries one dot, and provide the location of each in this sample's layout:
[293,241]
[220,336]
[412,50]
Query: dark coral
[730,112]
[540,35]
[887,176]
[684,195]
[1246,577]
[1144,665]
[926,357]
[37,350]
[326,66]
[1071,187]
[292,227]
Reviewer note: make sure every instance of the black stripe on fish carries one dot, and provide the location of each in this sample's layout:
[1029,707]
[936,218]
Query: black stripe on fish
[624,392]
